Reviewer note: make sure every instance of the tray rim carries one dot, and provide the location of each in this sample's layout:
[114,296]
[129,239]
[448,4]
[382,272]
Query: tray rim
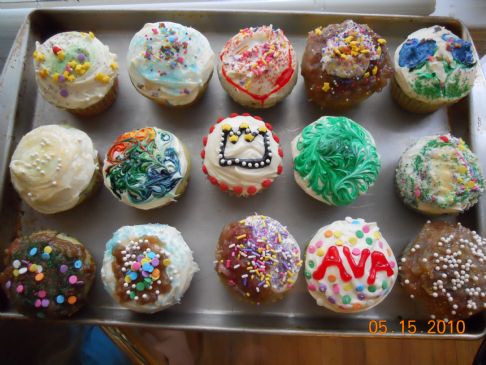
[8,108]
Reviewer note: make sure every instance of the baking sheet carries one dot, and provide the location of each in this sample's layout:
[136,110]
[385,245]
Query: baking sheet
[203,210]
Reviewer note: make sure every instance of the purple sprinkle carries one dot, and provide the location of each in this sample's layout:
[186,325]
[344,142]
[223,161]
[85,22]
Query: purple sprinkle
[64,93]
[261,283]
[361,296]
[331,300]
[145,274]
[245,281]
[8,284]
[140,257]
[61,78]
[45,302]
[81,57]
[63,269]
[155,262]
[322,288]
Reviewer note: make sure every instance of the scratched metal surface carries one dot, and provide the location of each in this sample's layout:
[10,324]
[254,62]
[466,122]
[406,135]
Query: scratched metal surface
[203,210]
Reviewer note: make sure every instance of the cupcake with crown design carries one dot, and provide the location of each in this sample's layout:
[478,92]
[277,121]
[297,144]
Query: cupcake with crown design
[433,68]
[76,72]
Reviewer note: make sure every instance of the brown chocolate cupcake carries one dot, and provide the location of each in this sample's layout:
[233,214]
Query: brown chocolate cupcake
[258,258]
[444,267]
[343,64]
[47,275]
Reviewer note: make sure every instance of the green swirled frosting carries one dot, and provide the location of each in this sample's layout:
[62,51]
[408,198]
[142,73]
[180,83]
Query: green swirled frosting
[337,159]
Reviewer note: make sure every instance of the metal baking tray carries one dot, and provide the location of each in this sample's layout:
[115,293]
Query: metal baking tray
[203,210]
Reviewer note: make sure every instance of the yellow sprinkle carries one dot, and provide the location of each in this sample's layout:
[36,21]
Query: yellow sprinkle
[348,39]
[79,69]
[71,78]
[72,63]
[249,137]
[102,78]
[320,252]
[353,240]
[375,70]
[326,87]
[39,57]
[55,77]
[233,138]
[347,287]
[353,43]
[242,221]
[33,268]
[226,127]
[15,272]
[279,238]
[127,279]
[365,51]
[337,51]
[462,169]
[166,262]
[366,75]
[244,126]
[318,31]
[338,234]
[91,35]
[86,65]
[113,65]
[354,53]
[459,179]
[247,294]
[43,73]
[470,184]
[377,235]
[241,236]
[262,129]
[60,56]
[381,41]
[48,249]
[378,51]
[339,243]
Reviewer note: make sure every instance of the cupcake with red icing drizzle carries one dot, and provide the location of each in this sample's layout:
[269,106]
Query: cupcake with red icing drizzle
[47,275]
[241,154]
[343,64]
[258,258]
[258,67]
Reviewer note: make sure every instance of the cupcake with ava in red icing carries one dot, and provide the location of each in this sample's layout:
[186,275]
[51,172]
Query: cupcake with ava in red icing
[241,154]
[257,67]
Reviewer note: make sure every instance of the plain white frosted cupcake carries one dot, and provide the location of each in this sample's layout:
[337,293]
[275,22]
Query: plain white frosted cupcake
[170,63]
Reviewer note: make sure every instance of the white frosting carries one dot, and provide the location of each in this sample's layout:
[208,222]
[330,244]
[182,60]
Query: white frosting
[180,270]
[236,175]
[162,68]
[356,294]
[85,89]
[52,166]
[249,60]
[161,160]
[406,78]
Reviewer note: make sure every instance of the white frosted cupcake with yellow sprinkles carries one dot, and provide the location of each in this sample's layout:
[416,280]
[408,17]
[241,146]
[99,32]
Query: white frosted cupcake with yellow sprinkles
[76,72]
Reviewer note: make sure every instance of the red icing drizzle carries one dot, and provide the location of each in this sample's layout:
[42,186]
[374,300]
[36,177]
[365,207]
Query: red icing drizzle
[378,263]
[332,258]
[282,80]
[358,269]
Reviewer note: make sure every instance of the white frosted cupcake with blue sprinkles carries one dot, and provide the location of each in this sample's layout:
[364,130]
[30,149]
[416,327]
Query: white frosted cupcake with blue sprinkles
[170,63]
[147,268]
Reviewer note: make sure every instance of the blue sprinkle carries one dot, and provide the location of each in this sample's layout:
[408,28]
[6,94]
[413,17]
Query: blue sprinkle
[151,255]
[147,267]
[359,288]
[45,256]
[78,264]
[33,251]
[171,38]
[60,299]
[133,275]
[356,221]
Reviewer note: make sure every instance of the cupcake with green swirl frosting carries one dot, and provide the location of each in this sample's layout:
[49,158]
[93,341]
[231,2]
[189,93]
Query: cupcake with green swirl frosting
[147,168]
[335,160]
[433,68]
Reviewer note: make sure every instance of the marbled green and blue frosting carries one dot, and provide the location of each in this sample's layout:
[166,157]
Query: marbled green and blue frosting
[144,168]
[169,62]
[435,66]
[335,160]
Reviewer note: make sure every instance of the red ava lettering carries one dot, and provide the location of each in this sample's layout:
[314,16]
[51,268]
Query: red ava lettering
[333,258]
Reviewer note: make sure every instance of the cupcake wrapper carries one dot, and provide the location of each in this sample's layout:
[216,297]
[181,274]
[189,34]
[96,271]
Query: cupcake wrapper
[413,105]
[94,184]
[101,105]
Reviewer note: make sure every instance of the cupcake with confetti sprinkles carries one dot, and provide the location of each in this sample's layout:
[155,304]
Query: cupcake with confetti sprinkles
[55,168]
[433,68]
[147,168]
[343,64]
[170,63]
[147,268]
[335,160]
[76,72]
[349,266]
[47,275]
[444,269]
[258,258]
[258,67]
[439,175]
[241,154]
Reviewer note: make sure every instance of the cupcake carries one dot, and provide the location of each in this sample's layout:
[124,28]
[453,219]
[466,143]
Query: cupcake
[439,175]
[343,64]
[54,168]
[335,160]
[170,63]
[147,268]
[433,68]
[147,168]
[76,72]
[241,154]
[443,268]
[258,259]
[258,67]
[47,275]
[349,266]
